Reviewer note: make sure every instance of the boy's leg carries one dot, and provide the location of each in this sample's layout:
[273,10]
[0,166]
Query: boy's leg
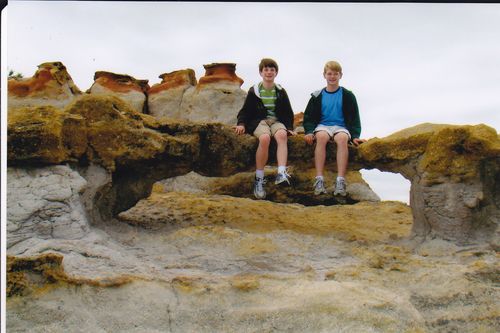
[262,153]
[322,139]
[263,133]
[282,149]
[341,140]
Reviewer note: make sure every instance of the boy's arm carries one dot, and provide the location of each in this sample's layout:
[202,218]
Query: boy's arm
[356,123]
[308,122]
[288,111]
[242,117]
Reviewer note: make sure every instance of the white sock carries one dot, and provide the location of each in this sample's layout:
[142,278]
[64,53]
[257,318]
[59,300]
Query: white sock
[320,177]
[281,169]
[259,174]
[340,178]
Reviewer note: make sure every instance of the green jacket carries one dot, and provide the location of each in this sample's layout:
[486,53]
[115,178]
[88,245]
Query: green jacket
[312,114]
[253,110]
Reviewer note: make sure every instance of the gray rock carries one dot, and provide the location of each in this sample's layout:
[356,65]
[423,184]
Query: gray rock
[45,203]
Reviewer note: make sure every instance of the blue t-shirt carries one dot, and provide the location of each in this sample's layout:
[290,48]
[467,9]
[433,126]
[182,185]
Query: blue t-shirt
[331,108]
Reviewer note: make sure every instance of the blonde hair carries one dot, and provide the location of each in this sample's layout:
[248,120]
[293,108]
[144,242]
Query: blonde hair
[332,65]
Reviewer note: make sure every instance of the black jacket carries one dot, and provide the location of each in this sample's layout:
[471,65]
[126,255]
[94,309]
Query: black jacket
[253,110]
[312,114]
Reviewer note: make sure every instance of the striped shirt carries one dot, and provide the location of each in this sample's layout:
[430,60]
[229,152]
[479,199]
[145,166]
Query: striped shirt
[269,99]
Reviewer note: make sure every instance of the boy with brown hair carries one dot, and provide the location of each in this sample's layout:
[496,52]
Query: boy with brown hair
[332,115]
[267,113]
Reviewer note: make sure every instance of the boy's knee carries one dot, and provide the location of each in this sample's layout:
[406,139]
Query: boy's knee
[322,137]
[280,136]
[264,139]
[341,138]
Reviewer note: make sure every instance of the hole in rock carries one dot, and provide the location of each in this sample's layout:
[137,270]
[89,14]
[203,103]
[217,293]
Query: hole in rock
[388,185]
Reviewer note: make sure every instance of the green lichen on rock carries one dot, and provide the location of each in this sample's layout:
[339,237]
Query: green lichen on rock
[457,151]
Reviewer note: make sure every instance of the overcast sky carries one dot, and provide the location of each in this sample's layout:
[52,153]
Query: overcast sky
[406,63]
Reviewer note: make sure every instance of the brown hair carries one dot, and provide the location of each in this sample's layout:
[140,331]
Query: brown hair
[332,65]
[267,62]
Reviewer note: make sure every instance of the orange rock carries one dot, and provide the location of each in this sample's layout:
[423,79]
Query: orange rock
[220,72]
[180,78]
[298,119]
[124,86]
[120,83]
[50,85]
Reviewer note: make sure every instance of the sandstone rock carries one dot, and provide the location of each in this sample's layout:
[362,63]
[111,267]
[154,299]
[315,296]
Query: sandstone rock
[174,210]
[241,185]
[98,128]
[298,121]
[217,97]
[451,168]
[45,135]
[224,266]
[44,203]
[164,99]
[51,85]
[126,87]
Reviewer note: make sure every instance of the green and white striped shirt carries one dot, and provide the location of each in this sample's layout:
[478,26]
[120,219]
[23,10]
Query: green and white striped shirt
[269,99]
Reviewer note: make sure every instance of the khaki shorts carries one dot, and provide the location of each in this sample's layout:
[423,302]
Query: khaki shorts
[268,126]
[332,130]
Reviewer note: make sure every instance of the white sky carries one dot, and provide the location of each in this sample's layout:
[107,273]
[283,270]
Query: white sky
[406,63]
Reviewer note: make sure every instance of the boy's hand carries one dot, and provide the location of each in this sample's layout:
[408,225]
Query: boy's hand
[239,129]
[358,141]
[309,138]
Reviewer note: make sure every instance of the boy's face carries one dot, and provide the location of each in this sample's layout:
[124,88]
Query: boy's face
[332,77]
[268,74]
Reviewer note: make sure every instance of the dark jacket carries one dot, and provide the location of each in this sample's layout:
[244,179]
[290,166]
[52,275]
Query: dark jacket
[312,114]
[253,110]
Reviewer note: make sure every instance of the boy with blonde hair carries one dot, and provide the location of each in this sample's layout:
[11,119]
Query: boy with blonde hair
[267,113]
[332,115]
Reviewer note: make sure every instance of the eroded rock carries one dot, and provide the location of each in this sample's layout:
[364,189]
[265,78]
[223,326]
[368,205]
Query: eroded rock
[451,168]
[216,98]
[126,87]
[51,85]
[44,203]
[301,190]
[165,98]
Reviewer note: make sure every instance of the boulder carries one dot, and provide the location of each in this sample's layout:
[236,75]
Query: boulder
[44,203]
[298,121]
[126,87]
[164,99]
[454,173]
[216,98]
[51,85]
[94,128]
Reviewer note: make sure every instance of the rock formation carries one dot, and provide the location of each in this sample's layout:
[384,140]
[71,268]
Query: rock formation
[98,230]
[45,203]
[51,85]
[241,185]
[164,99]
[126,87]
[454,173]
[298,121]
[453,169]
[216,98]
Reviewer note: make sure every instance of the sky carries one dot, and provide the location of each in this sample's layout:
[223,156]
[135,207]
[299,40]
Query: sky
[407,63]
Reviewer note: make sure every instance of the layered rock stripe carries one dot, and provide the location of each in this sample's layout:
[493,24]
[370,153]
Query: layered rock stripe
[446,164]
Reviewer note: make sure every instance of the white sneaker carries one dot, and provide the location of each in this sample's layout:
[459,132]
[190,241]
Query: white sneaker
[319,186]
[258,188]
[282,177]
[340,187]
